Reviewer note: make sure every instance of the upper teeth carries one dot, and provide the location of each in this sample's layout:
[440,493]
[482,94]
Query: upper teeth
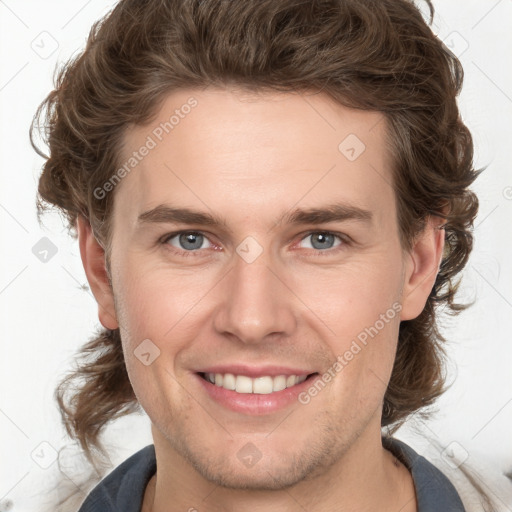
[259,385]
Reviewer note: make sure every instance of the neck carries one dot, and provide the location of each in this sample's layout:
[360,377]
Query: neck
[367,477]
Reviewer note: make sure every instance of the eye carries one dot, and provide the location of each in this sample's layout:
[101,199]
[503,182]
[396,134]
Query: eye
[187,241]
[322,240]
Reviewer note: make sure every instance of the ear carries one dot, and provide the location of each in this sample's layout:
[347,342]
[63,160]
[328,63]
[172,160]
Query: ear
[421,267]
[93,259]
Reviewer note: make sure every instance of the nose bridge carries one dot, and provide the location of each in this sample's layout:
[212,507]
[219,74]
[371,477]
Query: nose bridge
[255,302]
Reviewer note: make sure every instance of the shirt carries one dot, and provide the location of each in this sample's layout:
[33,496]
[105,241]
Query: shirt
[123,489]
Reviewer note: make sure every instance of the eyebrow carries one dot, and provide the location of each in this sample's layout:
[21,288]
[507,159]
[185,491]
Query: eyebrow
[331,213]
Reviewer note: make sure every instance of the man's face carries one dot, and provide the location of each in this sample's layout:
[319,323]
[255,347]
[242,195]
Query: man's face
[259,296]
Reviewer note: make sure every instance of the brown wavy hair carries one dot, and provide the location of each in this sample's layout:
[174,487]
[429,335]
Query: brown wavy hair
[365,54]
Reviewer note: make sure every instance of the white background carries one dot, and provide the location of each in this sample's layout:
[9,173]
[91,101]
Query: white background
[46,315]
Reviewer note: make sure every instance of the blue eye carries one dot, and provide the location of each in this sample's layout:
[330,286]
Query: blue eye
[189,241]
[322,240]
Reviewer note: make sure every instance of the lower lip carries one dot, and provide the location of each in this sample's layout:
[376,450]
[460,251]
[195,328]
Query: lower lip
[254,403]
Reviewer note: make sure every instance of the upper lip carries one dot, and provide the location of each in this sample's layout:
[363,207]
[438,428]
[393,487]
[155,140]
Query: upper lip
[255,371]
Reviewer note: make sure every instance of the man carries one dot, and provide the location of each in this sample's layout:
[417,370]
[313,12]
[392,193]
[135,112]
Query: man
[271,198]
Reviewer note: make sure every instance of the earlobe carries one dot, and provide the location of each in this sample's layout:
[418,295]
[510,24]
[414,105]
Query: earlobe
[93,259]
[421,268]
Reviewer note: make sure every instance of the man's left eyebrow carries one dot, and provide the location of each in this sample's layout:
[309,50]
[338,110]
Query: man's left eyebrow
[329,213]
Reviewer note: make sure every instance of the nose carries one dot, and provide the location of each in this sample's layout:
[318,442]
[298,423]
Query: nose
[256,303]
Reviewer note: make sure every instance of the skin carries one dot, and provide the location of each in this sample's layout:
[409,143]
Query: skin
[248,158]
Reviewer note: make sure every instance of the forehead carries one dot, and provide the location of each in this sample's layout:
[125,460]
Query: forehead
[235,151]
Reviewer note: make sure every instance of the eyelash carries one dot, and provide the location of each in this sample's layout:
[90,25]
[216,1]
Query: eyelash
[345,241]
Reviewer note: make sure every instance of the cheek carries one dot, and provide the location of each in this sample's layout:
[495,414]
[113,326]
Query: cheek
[160,312]
[153,312]
[351,297]
[155,301]
[357,308]
[362,360]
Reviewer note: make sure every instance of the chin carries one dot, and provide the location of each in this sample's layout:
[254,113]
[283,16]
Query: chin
[280,471]
[252,479]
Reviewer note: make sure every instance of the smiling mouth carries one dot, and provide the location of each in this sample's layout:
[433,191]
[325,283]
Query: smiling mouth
[260,385]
